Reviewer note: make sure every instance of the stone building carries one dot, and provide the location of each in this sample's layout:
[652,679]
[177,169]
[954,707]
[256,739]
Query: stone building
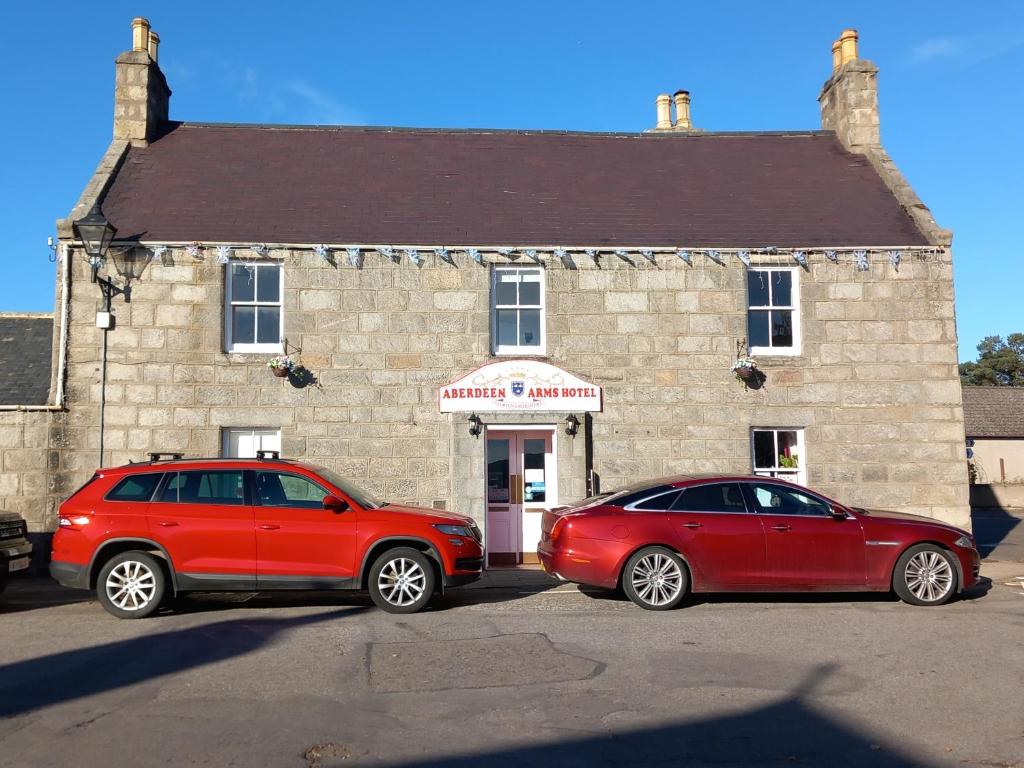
[994,423]
[499,321]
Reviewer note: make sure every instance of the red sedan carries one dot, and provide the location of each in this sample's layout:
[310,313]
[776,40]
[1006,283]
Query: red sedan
[659,539]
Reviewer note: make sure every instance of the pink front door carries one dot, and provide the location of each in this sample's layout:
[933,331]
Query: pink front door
[520,486]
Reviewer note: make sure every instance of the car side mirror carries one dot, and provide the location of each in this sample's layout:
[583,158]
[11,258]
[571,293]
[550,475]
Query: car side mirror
[334,504]
[837,514]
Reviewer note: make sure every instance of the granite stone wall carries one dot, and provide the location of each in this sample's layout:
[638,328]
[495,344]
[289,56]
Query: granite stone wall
[876,385]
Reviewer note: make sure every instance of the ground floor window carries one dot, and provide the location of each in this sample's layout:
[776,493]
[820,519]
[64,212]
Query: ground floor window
[779,453]
[243,442]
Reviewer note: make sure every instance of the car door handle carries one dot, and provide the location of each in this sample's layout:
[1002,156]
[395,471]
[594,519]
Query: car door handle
[780,527]
[691,525]
[167,523]
[267,527]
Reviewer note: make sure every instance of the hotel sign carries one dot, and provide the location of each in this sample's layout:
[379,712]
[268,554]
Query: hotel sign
[519,385]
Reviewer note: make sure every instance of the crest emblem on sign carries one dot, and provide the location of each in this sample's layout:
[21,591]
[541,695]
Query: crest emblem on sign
[518,388]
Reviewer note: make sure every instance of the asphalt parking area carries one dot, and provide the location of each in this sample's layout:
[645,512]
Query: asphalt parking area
[516,674]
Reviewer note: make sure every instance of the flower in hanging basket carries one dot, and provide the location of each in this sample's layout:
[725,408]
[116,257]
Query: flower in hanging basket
[745,369]
[281,366]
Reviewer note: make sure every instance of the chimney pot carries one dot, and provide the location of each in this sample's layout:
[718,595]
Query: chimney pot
[664,104]
[154,45]
[837,56]
[140,34]
[848,46]
[682,99]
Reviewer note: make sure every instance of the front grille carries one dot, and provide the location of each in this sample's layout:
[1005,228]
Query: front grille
[469,564]
[12,529]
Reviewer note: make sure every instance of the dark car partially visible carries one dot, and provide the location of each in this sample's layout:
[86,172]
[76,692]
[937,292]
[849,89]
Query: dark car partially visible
[15,548]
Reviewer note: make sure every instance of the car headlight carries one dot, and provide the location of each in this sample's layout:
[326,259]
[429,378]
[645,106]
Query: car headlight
[965,542]
[455,530]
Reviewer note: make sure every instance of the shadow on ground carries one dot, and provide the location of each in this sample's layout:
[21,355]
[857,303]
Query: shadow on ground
[793,731]
[60,677]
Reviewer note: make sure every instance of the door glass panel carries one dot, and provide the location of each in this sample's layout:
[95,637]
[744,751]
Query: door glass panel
[717,497]
[276,489]
[497,471]
[534,480]
[205,488]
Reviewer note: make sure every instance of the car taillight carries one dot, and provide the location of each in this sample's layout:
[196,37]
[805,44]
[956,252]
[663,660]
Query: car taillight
[73,521]
[557,529]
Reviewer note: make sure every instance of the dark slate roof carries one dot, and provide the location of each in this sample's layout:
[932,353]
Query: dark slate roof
[282,184]
[994,411]
[26,345]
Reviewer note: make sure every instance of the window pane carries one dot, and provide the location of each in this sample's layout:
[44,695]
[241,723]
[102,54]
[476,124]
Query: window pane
[529,327]
[243,283]
[210,488]
[268,282]
[170,492]
[529,289]
[135,488]
[757,288]
[658,503]
[764,450]
[505,290]
[782,289]
[506,327]
[757,328]
[243,325]
[717,497]
[779,500]
[281,490]
[788,457]
[268,325]
[782,328]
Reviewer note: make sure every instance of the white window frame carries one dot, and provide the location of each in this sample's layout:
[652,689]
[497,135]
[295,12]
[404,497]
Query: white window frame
[261,432]
[229,303]
[798,475]
[794,307]
[518,349]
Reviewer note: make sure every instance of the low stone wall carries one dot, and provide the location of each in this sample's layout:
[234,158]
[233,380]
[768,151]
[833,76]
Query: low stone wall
[1001,495]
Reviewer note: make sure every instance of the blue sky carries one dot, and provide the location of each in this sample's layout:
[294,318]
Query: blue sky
[950,80]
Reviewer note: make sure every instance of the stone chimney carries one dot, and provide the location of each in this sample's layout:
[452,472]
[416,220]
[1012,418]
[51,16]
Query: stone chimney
[141,95]
[681,101]
[849,100]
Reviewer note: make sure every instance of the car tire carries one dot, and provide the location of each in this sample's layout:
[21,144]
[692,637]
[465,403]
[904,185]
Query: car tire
[131,585]
[925,575]
[656,579]
[402,580]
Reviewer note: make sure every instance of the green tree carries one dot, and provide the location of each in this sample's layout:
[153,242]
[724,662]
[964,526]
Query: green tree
[999,364]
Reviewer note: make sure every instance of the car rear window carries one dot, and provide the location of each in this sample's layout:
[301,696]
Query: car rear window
[135,487]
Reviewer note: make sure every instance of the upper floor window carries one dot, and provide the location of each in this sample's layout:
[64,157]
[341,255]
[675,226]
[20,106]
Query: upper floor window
[517,311]
[773,311]
[254,320]
[779,453]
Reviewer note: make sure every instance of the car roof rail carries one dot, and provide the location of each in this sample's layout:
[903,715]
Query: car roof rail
[272,455]
[155,456]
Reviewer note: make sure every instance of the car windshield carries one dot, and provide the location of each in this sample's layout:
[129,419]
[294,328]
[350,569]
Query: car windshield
[350,489]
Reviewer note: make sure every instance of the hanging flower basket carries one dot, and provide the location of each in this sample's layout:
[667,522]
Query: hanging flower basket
[281,366]
[745,370]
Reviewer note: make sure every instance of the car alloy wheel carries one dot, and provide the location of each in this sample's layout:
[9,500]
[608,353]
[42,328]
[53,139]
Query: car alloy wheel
[131,585]
[401,581]
[929,576]
[655,579]
[925,575]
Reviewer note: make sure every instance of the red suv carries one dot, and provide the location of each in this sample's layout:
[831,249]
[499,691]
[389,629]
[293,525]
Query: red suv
[140,532]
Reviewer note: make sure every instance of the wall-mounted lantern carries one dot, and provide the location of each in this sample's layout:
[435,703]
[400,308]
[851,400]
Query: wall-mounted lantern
[476,425]
[572,425]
